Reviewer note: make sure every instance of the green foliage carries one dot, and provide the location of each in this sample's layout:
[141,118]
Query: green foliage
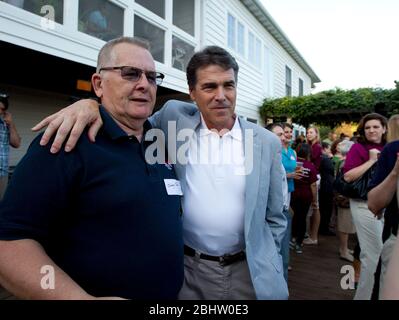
[333,106]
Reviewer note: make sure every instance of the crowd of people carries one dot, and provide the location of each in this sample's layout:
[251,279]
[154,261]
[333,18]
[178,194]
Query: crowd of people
[179,227]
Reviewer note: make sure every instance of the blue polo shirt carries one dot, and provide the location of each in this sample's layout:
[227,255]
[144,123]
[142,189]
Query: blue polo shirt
[102,213]
[289,163]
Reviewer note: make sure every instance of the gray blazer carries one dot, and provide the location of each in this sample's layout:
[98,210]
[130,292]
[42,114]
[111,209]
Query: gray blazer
[265,223]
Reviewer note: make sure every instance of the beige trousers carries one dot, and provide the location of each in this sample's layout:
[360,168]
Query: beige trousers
[208,280]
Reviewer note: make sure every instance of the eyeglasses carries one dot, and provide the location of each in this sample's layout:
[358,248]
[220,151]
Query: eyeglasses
[134,74]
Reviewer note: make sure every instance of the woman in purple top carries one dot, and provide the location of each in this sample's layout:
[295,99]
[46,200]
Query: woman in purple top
[313,139]
[361,157]
[304,194]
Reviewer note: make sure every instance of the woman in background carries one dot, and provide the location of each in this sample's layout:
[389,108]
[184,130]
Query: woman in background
[313,139]
[361,157]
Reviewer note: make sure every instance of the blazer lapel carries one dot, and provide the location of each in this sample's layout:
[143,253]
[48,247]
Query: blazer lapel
[252,167]
[190,124]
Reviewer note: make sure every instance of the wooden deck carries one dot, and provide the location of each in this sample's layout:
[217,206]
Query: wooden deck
[315,273]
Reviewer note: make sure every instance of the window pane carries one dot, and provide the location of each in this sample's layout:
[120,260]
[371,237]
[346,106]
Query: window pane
[288,85]
[231,31]
[183,15]
[240,39]
[300,87]
[153,34]
[101,19]
[35,6]
[258,52]
[251,47]
[156,6]
[181,53]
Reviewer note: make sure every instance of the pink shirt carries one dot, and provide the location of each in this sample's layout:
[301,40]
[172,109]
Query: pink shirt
[359,154]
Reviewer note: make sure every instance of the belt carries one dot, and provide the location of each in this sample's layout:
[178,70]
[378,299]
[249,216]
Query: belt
[224,260]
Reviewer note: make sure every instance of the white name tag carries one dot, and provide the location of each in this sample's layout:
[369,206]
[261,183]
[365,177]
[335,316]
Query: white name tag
[173,187]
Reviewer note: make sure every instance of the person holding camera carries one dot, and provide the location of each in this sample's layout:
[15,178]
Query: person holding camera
[8,137]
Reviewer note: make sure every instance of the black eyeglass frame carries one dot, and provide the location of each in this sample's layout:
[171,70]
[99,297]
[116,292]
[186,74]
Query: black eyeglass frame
[158,76]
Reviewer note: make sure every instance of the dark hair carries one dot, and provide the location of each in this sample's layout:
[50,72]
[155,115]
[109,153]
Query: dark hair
[371,116]
[287,125]
[304,150]
[212,55]
[325,145]
[4,100]
[271,126]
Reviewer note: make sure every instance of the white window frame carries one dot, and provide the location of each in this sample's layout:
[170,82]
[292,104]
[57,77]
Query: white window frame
[288,84]
[300,87]
[231,31]
[240,39]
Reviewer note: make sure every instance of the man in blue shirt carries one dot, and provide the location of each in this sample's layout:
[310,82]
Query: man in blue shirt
[8,137]
[99,221]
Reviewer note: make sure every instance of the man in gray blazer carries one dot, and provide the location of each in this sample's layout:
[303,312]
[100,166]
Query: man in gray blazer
[233,222]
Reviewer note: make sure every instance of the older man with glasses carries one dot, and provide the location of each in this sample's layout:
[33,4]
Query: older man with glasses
[99,221]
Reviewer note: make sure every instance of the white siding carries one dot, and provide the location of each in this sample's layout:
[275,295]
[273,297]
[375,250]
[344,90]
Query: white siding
[252,86]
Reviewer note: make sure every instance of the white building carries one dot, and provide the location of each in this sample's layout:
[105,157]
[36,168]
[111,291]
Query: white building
[42,60]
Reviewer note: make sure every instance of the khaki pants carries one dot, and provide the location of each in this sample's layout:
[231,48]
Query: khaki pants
[3,185]
[369,233]
[208,280]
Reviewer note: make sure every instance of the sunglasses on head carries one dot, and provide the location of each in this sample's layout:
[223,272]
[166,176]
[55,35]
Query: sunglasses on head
[134,74]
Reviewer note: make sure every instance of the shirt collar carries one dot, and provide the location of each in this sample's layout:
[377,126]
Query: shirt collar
[111,128]
[235,132]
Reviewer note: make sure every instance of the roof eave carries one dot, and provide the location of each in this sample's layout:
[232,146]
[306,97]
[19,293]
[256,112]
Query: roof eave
[261,14]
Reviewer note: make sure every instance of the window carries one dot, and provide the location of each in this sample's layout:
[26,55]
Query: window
[101,19]
[35,6]
[231,31]
[288,82]
[156,6]
[251,47]
[154,35]
[300,87]
[258,53]
[181,53]
[240,38]
[183,15]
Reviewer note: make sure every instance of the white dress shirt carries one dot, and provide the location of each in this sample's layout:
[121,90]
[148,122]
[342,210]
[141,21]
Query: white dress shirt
[213,202]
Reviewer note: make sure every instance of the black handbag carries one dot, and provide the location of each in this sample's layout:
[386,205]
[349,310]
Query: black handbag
[356,189]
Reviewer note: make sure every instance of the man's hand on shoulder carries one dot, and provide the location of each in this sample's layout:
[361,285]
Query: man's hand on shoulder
[71,121]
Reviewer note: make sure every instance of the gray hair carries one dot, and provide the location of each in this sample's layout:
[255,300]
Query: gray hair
[344,146]
[105,54]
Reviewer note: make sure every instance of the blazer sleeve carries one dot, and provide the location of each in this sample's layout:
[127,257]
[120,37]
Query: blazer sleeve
[274,210]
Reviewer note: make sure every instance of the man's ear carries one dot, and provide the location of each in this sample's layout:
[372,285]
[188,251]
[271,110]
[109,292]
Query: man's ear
[192,94]
[96,81]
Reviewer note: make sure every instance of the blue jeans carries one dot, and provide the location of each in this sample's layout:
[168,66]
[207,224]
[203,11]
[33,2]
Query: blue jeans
[285,244]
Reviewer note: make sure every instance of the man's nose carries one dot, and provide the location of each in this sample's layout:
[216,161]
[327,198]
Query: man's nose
[142,83]
[220,94]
